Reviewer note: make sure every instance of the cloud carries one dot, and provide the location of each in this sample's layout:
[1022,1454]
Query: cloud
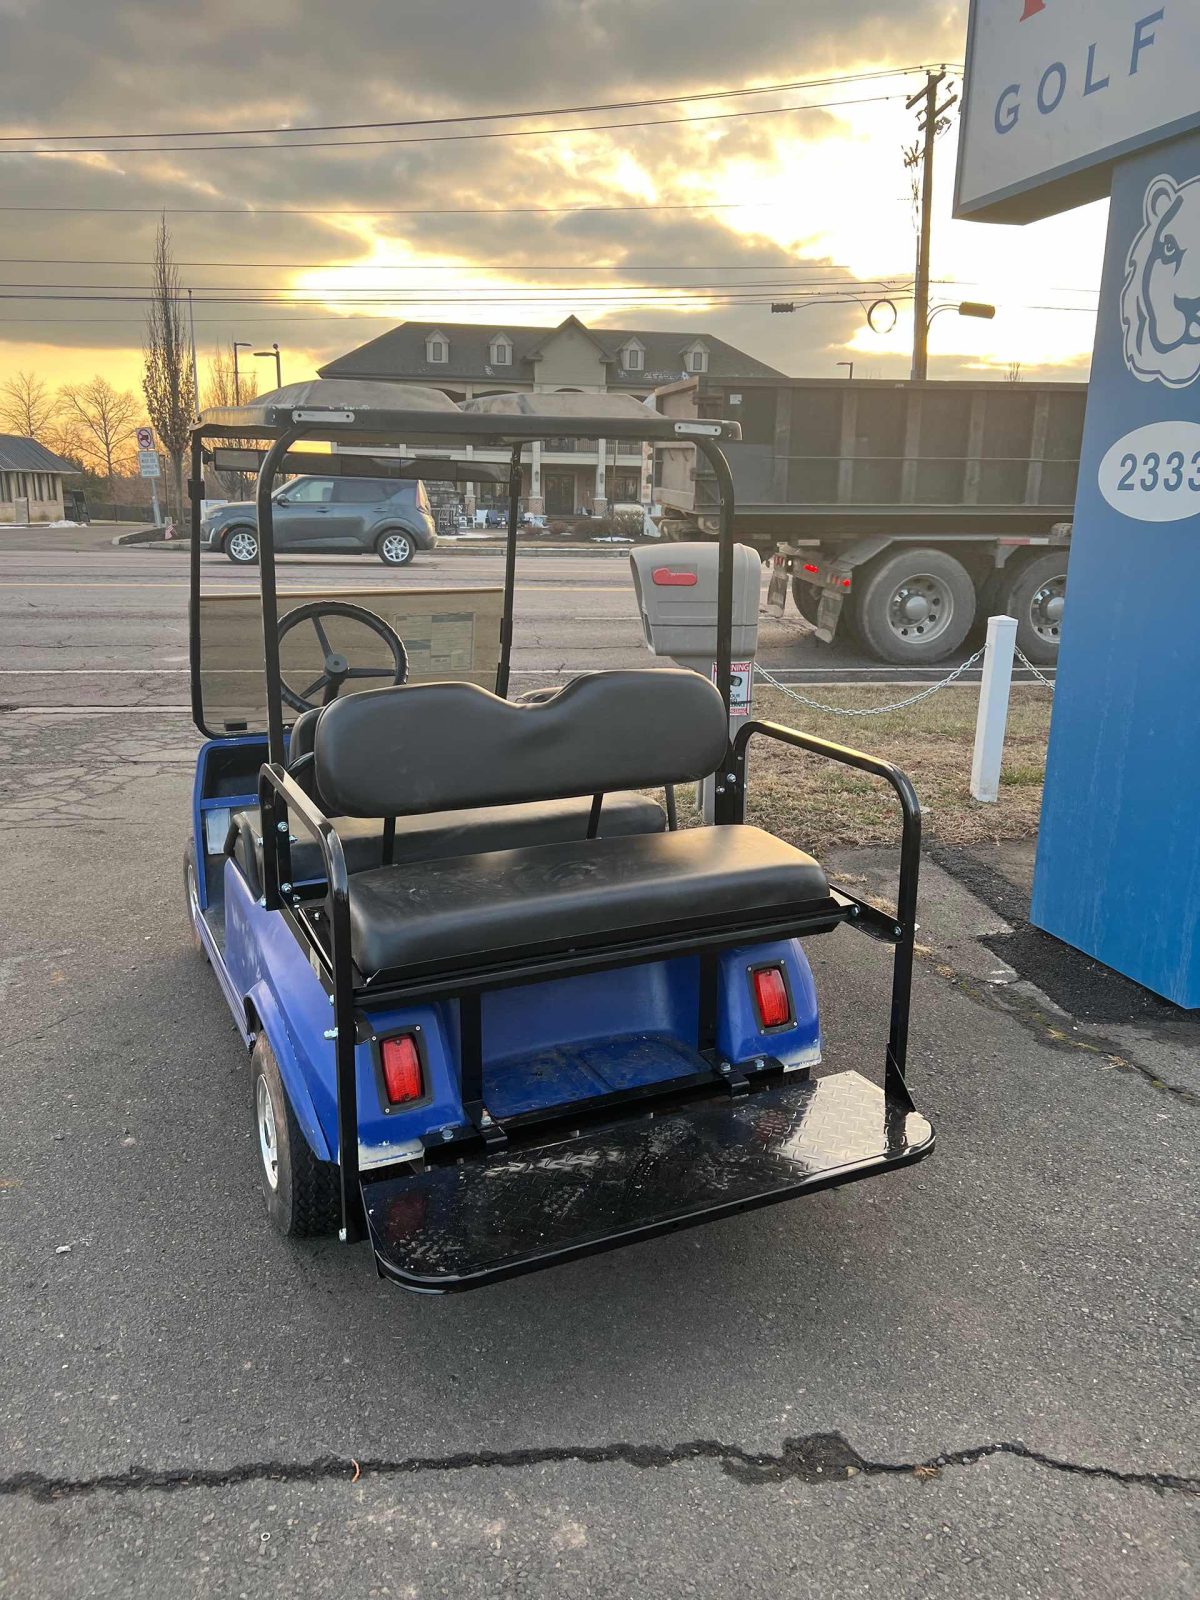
[178,64]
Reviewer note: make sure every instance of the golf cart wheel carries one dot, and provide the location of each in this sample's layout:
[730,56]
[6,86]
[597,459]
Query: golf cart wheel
[396,548]
[241,546]
[915,607]
[301,1192]
[191,890]
[1037,599]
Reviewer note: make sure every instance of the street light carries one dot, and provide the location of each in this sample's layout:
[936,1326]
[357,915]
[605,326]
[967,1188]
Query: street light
[239,344]
[965,308]
[273,351]
[850,374]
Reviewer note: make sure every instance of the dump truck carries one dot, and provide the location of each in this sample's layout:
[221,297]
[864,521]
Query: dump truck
[902,512]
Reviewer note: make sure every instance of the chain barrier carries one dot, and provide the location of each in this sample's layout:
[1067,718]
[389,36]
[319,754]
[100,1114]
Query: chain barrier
[1029,667]
[867,711]
[896,705]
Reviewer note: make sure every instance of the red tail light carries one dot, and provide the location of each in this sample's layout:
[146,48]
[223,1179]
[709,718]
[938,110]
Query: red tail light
[401,1069]
[810,566]
[771,997]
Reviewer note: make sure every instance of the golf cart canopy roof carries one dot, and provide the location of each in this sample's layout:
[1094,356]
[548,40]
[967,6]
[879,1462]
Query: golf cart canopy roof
[321,464]
[401,413]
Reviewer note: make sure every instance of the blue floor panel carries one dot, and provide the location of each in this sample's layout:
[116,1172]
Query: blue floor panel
[579,1071]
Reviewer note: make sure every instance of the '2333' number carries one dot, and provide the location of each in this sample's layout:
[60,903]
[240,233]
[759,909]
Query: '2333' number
[1154,476]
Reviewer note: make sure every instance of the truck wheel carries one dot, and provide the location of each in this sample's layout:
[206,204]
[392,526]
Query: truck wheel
[1037,599]
[301,1192]
[808,599]
[915,607]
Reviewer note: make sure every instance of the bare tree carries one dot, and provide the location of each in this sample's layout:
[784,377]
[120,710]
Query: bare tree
[98,424]
[169,382]
[1014,373]
[27,406]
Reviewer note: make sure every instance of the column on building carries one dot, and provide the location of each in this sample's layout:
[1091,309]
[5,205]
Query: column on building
[536,505]
[599,500]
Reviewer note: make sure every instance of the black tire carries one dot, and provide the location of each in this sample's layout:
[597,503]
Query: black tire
[301,1192]
[808,599]
[1036,598]
[240,544]
[937,582]
[396,547]
[191,882]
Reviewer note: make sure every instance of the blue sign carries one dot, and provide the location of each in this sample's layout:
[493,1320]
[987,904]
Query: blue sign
[1118,868]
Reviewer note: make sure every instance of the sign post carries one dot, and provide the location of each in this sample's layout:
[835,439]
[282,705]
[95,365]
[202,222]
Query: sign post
[149,467]
[1066,100]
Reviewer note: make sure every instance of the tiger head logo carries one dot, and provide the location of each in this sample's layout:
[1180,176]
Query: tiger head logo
[1160,306]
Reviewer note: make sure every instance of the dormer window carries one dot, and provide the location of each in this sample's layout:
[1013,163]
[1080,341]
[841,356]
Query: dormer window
[500,351]
[696,358]
[437,349]
[633,356]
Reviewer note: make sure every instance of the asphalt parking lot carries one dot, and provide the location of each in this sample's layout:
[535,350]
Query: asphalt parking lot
[976,1376]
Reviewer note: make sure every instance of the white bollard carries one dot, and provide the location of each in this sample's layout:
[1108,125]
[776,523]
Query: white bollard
[992,721]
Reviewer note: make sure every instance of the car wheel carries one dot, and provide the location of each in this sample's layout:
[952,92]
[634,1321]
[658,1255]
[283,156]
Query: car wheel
[1037,599]
[915,607]
[396,549]
[301,1192]
[241,546]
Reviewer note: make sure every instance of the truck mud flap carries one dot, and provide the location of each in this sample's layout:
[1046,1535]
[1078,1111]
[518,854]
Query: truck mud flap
[475,1221]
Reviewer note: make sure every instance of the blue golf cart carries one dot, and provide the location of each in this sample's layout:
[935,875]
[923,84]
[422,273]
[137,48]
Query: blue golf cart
[501,1010]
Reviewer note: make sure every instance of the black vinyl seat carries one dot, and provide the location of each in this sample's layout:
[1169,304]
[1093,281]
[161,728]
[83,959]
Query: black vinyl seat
[450,833]
[471,910]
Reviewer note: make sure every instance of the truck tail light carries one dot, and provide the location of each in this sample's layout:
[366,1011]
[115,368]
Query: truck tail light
[401,1063]
[811,566]
[771,997]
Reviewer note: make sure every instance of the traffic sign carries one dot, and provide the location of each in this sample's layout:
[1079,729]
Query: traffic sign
[145,440]
[148,466]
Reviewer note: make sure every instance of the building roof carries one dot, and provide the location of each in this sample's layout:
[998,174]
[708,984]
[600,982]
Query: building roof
[399,355]
[18,454]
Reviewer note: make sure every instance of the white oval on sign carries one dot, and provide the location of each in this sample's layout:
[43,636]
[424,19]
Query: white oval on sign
[1153,473]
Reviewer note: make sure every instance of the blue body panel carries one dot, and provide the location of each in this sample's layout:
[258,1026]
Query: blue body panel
[544,1044]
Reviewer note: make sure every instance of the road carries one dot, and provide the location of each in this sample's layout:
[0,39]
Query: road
[976,1377]
[106,626]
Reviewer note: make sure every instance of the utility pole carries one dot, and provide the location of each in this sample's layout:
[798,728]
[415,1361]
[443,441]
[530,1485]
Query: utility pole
[930,125]
[238,344]
[195,367]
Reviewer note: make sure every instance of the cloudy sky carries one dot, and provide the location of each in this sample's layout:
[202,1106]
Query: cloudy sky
[346,239]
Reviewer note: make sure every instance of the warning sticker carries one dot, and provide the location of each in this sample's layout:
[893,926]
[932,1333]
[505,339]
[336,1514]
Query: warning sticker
[741,675]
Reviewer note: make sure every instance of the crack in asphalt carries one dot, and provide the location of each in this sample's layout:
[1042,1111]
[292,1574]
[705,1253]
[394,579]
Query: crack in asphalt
[816,1458]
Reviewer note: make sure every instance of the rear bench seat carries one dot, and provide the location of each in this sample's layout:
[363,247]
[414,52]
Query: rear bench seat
[435,750]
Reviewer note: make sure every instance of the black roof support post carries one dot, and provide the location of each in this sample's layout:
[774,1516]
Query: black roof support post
[510,572]
[196,489]
[730,801]
[266,573]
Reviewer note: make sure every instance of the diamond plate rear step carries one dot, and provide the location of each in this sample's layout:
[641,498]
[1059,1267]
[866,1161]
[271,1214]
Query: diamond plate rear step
[464,1225]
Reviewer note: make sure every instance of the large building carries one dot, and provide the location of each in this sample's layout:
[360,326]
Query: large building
[31,480]
[562,477]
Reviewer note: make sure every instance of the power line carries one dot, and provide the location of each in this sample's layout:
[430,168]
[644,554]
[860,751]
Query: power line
[454,138]
[401,211]
[432,266]
[784,87]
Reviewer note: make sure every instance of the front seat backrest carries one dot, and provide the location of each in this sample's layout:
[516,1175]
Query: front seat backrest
[445,746]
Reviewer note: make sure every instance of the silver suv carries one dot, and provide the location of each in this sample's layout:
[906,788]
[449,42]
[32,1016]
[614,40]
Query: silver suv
[357,516]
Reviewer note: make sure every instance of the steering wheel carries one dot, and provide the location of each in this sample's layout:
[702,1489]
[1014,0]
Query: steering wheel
[337,669]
